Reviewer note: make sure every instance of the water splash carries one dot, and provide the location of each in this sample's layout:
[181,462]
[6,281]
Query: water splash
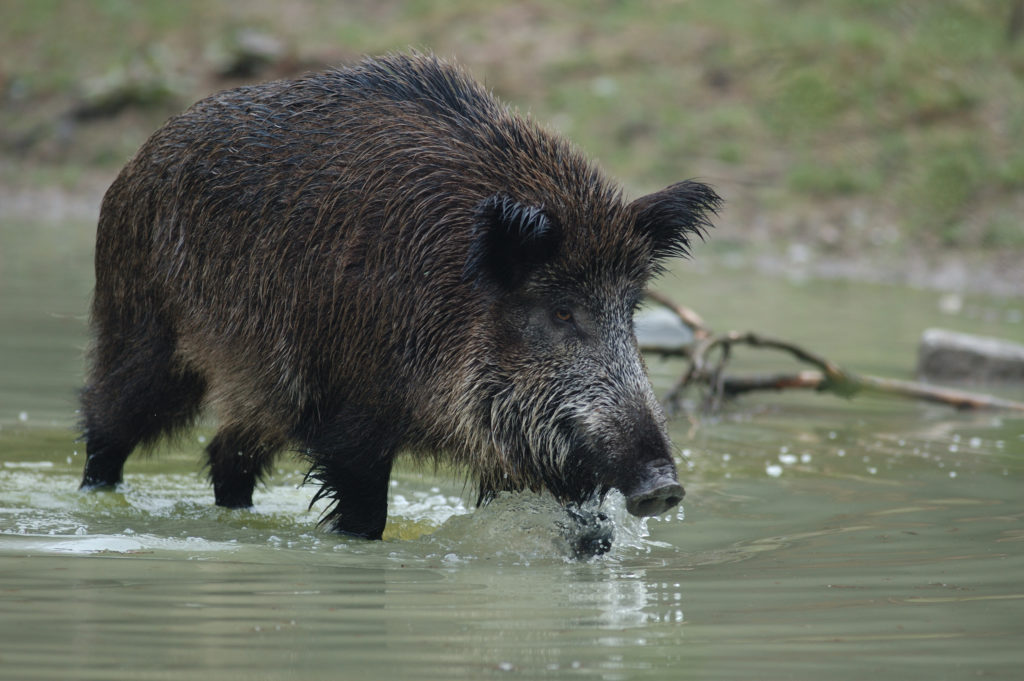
[528,527]
[167,511]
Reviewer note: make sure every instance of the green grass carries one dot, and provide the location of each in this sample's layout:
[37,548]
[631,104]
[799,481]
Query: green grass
[913,111]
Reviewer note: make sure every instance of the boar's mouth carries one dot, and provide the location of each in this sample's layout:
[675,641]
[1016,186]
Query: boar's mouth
[577,466]
[651,487]
[641,468]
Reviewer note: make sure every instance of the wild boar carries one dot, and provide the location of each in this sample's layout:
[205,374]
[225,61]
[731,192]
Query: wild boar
[377,260]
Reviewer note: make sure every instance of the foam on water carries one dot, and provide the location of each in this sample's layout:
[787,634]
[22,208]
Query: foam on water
[120,543]
[174,512]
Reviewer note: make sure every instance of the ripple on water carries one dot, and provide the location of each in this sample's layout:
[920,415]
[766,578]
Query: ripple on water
[173,512]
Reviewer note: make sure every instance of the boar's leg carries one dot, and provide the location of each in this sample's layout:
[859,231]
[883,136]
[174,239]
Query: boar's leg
[354,473]
[104,461]
[238,458]
[360,494]
[136,394]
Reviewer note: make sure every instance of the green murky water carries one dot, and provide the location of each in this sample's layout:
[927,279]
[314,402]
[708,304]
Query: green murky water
[819,538]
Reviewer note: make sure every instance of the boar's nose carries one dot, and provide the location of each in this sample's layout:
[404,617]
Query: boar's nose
[658,496]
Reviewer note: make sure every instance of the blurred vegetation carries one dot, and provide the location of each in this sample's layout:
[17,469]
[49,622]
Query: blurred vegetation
[846,124]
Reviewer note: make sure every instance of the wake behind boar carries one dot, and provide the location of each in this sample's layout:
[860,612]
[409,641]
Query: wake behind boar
[376,260]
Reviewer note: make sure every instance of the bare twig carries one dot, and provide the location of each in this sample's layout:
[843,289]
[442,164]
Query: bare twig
[830,377]
[922,391]
[737,385]
[813,380]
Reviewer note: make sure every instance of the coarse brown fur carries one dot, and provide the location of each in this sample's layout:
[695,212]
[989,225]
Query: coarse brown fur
[351,263]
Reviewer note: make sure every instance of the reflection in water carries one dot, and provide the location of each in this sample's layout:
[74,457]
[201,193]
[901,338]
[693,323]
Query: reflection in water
[907,565]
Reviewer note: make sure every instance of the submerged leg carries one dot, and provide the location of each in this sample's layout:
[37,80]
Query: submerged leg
[360,496]
[238,458]
[133,399]
[354,473]
[104,462]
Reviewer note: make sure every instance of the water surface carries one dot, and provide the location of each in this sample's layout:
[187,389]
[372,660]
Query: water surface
[819,538]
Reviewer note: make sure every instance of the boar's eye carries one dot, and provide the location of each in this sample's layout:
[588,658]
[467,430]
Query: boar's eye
[563,314]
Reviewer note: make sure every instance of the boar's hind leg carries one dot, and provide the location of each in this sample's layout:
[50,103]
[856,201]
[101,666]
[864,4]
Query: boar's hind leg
[238,459]
[136,394]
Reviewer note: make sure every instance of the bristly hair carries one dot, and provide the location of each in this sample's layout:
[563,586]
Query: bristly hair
[675,213]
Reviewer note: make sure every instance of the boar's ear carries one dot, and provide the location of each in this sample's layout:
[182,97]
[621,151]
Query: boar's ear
[510,240]
[675,213]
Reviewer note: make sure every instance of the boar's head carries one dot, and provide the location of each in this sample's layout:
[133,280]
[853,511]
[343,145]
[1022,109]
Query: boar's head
[568,404]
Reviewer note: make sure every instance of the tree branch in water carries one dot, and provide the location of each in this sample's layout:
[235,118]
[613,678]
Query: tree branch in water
[709,354]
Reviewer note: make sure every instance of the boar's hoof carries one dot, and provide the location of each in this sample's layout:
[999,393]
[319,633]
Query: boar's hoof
[89,485]
[656,500]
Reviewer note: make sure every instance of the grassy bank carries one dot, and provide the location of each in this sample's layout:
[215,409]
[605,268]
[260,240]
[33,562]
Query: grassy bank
[843,125]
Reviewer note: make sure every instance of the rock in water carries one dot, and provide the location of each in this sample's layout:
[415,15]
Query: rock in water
[950,356]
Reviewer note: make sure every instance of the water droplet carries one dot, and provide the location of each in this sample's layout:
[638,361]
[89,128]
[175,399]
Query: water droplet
[951,303]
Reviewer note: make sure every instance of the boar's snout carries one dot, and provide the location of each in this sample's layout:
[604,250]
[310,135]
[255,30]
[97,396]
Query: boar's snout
[644,471]
[656,493]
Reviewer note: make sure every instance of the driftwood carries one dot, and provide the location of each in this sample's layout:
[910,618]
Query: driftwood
[709,354]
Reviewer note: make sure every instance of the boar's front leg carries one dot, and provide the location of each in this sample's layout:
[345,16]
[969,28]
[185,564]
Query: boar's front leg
[354,473]
[359,494]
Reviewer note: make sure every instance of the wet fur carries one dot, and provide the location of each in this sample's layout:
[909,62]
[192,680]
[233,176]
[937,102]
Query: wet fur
[336,263]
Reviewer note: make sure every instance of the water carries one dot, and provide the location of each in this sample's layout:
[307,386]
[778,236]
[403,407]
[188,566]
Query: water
[819,538]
